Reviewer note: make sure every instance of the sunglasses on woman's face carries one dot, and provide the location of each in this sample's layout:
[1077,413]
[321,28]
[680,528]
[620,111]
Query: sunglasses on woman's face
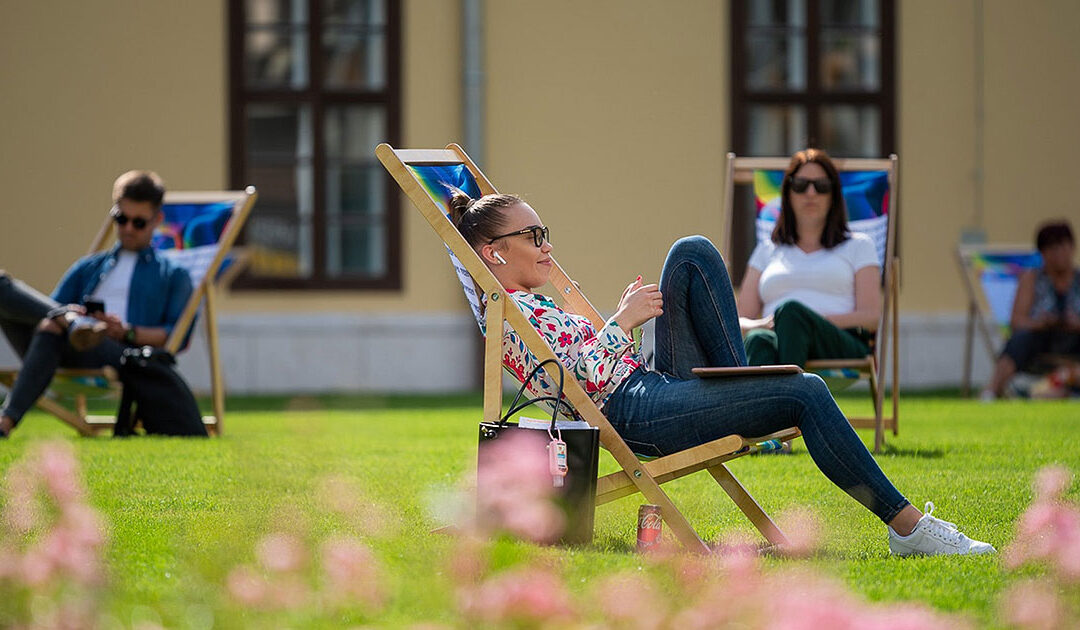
[539,234]
[800,184]
[122,219]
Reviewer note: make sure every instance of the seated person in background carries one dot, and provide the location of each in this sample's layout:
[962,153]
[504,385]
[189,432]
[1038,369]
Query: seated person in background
[1046,311]
[814,290]
[143,295]
[667,410]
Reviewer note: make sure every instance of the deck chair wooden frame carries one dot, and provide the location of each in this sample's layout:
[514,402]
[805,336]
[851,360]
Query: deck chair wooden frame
[635,475]
[203,291]
[740,170]
[980,315]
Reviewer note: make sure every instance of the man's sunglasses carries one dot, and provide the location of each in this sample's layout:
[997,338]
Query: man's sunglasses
[539,235]
[800,184]
[122,219]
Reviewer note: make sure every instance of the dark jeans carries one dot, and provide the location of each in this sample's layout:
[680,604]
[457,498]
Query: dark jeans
[21,309]
[1025,345]
[668,410]
[800,334]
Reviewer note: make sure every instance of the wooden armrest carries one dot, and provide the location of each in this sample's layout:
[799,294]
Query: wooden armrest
[750,370]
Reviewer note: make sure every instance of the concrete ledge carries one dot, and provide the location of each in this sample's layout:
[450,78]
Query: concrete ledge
[436,352]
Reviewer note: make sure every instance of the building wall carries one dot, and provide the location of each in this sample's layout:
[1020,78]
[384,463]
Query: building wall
[610,116]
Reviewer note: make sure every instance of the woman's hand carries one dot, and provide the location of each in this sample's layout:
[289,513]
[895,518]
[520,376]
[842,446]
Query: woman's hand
[747,324]
[639,303]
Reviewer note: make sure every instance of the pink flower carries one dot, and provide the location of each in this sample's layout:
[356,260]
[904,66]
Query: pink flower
[515,486]
[803,529]
[59,469]
[351,571]
[1033,605]
[630,600]
[1051,482]
[281,553]
[519,596]
[246,586]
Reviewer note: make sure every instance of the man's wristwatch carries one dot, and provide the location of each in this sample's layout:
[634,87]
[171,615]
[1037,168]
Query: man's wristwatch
[129,335]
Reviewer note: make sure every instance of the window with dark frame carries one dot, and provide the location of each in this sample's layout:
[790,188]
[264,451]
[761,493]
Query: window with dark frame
[809,73]
[314,87]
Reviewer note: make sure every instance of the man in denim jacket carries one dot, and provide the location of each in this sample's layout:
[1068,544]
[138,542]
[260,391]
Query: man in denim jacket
[142,293]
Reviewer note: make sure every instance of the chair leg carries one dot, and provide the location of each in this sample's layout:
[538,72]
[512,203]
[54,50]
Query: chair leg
[748,505]
[879,428]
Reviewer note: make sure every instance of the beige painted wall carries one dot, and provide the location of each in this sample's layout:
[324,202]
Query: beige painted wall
[92,89]
[610,116]
[1030,131]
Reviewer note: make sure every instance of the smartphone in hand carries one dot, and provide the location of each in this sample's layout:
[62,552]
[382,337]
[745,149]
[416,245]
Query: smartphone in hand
[93,306]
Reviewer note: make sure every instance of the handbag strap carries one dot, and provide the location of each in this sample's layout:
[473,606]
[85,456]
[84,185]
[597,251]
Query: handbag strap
[515,407]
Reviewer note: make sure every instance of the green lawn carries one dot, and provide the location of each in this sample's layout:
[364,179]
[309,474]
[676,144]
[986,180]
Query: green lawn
[182,513]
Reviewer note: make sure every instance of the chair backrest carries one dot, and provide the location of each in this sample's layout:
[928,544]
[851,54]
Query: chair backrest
[992,273]
[197,233]
[866,198]
[439,181]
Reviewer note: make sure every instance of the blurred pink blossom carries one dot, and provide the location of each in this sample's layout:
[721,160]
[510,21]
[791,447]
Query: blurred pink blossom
[527,595]
[803,529]
[58,468]
[352,572]
[514,488]
[246,586]
[1032,605]
[1051,482]
[630,600]
[281,553]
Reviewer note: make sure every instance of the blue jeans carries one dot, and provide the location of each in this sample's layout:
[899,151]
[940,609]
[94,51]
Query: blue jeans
[667,410]
[21,309]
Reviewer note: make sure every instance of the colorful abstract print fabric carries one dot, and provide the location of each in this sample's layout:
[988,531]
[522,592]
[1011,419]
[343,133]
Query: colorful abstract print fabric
[866,196]
[999,275]
[439,182]
[190,234]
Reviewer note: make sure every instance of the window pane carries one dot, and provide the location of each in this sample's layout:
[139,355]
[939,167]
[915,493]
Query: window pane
[354,44]
[776,12]
[851,130]
[776,129]
[356,194]
[279,164]
[776,61]
[275,43]
[850,61]
[850,12]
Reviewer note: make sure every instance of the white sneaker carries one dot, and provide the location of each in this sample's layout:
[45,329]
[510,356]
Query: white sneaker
[935,537]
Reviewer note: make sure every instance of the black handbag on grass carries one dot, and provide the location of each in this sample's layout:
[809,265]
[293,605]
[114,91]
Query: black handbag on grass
[577,495]
[156,395]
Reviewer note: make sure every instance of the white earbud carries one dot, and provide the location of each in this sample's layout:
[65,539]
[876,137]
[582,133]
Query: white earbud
[498,257]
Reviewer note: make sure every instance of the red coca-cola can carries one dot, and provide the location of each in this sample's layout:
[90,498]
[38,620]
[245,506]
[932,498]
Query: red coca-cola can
[648,527]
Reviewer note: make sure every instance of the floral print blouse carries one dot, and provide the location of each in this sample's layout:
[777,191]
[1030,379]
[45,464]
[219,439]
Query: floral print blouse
[599,361]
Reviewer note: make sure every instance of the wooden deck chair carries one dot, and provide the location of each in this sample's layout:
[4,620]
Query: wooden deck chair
[198,233]
[422,175]
[991,275]
[870,192]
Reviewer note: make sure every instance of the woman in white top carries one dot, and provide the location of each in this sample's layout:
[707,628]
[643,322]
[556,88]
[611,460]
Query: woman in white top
[814,290]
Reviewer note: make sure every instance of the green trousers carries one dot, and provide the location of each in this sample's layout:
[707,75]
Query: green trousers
[799,334]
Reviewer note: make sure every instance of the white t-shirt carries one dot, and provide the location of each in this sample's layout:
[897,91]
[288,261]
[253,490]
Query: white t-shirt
[823,280]
[114,288]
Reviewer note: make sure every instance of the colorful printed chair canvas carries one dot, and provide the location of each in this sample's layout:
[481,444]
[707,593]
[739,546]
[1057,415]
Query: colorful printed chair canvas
[425,176]
[198,233]
[991,275]
[869,187]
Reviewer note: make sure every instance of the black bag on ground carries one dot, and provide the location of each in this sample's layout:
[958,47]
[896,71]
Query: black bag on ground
[156,395]
[577,496]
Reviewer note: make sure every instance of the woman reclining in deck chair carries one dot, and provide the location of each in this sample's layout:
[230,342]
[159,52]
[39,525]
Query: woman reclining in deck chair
[814,290]
[667,410]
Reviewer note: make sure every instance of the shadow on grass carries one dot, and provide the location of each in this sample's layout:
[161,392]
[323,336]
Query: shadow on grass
[921,453]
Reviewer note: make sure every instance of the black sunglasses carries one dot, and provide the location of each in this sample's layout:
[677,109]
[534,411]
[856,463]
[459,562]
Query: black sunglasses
[539,235]
[800,184]
[122,219]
